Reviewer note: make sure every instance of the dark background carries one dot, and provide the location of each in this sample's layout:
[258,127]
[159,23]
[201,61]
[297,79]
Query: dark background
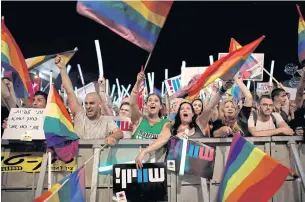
[193,31]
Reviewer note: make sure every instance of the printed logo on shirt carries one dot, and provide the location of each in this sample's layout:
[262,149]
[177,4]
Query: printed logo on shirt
[146,135]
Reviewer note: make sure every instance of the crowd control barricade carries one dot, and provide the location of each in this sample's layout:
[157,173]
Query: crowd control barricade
[290,151]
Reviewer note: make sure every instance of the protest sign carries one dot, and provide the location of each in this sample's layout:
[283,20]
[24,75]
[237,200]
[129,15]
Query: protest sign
[263,88]
[173,84]
[31,162]
[146,184]
[189,72]
[24,124]
[199,161]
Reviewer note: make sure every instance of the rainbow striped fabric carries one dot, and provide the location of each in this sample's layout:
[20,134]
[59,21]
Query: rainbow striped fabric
[234,91]
[301,32]
[45,63]
[228,65]
[250,174]
[69,189]
[140,22]
[13,61]
[250,62]
[58,128]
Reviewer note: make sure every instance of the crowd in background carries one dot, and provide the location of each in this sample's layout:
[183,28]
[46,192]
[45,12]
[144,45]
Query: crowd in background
[218,115]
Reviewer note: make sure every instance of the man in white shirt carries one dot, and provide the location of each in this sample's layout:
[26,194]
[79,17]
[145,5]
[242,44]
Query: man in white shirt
[266,122]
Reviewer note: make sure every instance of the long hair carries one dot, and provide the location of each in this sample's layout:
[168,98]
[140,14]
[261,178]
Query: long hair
[160,100]
[177,123]
[232,124]
[198,99]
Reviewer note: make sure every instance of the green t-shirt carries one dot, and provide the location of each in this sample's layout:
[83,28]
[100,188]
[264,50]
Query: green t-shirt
[146,131]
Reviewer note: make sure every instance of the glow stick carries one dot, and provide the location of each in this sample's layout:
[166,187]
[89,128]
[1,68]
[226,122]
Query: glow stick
[211,59]
[81,74]
[163,85]
[68,69]
[99,58]
[248,84]
[166,74]
[119,90]
[107,87]
[182,73]
[113,89]
[271,72]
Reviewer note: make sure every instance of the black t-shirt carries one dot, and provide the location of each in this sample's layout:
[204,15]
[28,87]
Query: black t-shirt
[242,121]
[299,120]
[4,114]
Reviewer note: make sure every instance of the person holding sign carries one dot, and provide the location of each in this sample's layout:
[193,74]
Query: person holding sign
[88,123]
[186,120]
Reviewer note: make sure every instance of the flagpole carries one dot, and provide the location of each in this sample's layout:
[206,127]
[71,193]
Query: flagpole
[49,153]
[57,190]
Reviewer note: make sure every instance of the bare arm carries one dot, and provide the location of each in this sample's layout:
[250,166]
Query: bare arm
[204,117]
[67,84]
[162,139]
[300,91]
[117,134]
[102,93]
[245,91]
[134,109]
[264,133]
[7,96]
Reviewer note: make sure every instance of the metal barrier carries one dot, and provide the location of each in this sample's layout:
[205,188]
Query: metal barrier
[288,150]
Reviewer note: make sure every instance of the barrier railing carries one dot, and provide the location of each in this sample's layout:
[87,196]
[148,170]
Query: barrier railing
[290,151]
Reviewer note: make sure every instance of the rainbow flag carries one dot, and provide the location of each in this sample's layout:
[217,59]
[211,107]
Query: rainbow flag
[13,61]
[234,91]
[224,68]
[250,62]
[250,174]
[140,22]
[301,33]
[69,189]
[58,128]
[45,63]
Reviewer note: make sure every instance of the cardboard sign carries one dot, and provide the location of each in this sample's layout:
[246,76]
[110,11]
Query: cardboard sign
[146,184]
[31,162]
[189,72]
[200,158]
[24,124]
[173,84]
[263,88]
[251,70]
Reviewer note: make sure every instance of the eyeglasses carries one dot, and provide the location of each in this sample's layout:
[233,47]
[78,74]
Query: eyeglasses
[266,105]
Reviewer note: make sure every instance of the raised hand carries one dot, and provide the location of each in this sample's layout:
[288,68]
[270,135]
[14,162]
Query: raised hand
[59,62]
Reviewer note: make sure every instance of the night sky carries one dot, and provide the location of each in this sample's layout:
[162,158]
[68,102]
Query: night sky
[192,32]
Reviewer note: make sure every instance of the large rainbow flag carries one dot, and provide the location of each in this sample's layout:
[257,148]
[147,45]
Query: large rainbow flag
[224,68]
[58,128]
[140,22]
[69,189]
[301,32]
[13,61]
[250,174]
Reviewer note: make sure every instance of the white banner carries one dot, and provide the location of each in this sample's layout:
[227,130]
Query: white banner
[25,124]
[263,88]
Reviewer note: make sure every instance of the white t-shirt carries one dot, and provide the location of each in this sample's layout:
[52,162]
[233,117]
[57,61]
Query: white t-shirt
[267,125]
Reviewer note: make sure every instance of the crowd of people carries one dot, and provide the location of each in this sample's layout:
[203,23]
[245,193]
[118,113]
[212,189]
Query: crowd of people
[215,116]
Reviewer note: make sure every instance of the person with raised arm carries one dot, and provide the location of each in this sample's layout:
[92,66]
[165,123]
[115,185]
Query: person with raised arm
[186,119]
[88,123]
[148,126]
[231,120]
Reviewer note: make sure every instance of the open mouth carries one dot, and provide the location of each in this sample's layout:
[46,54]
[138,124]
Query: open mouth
[89,111]
[185,115]
[153,107]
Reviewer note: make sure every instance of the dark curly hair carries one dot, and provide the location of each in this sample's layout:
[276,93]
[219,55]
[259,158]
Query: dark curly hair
[178,120]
